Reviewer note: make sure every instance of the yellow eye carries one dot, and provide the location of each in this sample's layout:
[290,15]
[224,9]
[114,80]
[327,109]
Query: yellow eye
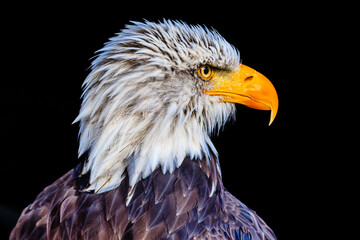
[205,72]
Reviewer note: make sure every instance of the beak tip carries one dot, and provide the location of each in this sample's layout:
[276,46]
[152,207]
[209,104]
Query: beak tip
[272,115]
[271,121]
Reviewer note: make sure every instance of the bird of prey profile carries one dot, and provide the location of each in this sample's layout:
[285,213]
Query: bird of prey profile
[155,93]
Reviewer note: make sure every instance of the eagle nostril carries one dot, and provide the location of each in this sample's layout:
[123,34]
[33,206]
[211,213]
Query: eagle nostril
[248,78]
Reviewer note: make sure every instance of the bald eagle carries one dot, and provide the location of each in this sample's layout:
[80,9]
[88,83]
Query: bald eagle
[155,93]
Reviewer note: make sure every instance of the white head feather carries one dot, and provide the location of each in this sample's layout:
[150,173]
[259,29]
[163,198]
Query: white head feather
[143,102]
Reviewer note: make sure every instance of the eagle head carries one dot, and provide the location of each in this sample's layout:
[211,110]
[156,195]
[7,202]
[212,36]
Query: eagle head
[155,93]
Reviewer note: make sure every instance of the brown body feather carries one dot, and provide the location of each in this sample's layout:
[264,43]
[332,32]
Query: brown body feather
[164,206]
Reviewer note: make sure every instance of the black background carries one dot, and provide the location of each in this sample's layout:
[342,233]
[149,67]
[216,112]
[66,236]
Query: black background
[280,171]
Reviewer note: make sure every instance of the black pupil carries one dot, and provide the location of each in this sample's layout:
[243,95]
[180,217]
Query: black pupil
[206,70]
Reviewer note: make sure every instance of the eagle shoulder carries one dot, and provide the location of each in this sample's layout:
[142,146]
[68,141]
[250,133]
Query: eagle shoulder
[239,222]
[61,212]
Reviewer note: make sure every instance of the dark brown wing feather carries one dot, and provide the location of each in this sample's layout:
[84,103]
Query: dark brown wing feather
[164,206]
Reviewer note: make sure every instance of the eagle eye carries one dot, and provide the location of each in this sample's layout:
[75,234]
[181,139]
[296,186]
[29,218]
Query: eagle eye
[206,72]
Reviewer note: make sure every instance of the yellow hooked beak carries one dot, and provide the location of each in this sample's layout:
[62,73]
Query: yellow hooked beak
[245,86]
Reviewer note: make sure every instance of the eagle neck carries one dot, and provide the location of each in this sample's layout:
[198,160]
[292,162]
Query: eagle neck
[196,179]
[200,176]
